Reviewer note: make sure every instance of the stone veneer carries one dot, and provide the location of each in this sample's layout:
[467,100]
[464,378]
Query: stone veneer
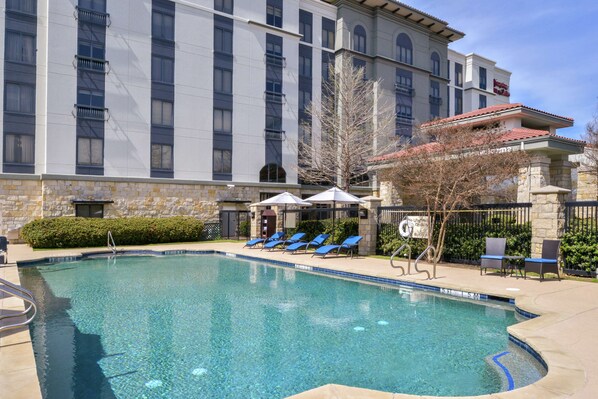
[20,202]
[547,216]
[587,185]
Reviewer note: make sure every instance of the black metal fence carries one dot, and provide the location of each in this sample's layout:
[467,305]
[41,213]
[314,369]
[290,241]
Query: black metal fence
[314,221]
[211,231]
[579,244]
[465,232]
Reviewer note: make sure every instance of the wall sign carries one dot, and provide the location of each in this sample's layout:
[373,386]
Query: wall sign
[502,89]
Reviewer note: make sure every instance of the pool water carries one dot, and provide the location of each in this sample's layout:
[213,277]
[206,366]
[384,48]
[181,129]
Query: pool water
[219,327]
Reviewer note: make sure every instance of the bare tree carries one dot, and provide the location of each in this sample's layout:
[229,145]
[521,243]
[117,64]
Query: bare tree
[458,165]
[355,125]
[591,153]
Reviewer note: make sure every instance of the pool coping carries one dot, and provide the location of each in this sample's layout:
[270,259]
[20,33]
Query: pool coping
[565,375]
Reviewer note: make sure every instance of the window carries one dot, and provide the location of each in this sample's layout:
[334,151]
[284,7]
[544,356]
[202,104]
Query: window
[19,98]
[273,123]
[328,28]
[404,111]
[223,121]
[25,6]
[359,39]
[404,49]
[20,47]
[18,148]
[304,99]
[95,5]
[273,86]
[458,102]
[223,81]
[483,101]
[90,151]
[90,98]
[162,26]
[224,6]
[305,28]
[89,210]
[274,49]
[435,63]
[162,156]
[483,79]
[223,160]
[458,74]
[305,66]
[162,69]
[404,81]
[162,113]
[91,49]
[327,63]
[435,89]
[223,41]
[274,13]
[273,173]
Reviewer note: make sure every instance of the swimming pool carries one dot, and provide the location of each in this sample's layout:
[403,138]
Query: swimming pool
[212,326]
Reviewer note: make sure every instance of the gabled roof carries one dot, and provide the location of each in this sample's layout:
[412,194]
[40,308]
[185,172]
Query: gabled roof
[517,134]
[496,111]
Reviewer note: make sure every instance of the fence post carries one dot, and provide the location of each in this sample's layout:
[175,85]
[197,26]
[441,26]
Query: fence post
[368,226]
[256,224]
[547,216]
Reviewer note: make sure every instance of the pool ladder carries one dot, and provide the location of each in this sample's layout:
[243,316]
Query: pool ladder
[110,242]
[12,290]
[408,247]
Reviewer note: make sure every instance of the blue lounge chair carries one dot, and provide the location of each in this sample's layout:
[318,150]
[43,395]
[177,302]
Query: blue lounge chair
[279,235]
[349,246]
[3,249]
[315,243]
[273,244]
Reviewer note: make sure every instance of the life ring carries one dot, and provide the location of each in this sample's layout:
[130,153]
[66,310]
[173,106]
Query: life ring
[406,228]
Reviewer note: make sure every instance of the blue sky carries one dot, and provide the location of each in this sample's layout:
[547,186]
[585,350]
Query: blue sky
[550,46]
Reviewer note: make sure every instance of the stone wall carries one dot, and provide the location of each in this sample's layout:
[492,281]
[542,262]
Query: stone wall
[20,202]
[587,186]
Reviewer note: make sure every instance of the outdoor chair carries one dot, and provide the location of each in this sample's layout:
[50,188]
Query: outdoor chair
[315,243]
[548,263]
[348,246]
[495,254]
[279,235]
[277,243]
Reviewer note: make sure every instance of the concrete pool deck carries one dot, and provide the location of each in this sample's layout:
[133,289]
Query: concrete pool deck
[564,335]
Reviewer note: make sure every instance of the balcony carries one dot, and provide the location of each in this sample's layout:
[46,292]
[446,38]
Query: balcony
[404,90]
[275,59]
[435,100]
[274,97]
[402,119]
[92,16]
[91,64]
[271,134]
[91,113]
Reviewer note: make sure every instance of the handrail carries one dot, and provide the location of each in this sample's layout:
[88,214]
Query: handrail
[23,294]
[110,242]
[408,258]
[430,247]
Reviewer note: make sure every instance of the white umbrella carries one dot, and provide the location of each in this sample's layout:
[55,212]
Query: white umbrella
[332,196]
[285,199]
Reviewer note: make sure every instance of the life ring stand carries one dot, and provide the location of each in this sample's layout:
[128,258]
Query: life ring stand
[406,228]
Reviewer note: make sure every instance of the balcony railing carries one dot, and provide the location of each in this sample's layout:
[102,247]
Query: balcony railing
[435,100]
[92,113]
[91,64]
[274,97]
[275,59]
[92,16]
[271,134]
[403,119]
[405,90]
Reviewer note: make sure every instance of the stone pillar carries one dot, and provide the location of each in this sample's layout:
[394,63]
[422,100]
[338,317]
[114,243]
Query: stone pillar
[587,184]
[560,174]
[389,194]
[368,227]
[532,177]
[547,216]
[256,212]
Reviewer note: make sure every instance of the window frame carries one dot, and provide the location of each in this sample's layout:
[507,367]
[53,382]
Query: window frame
[305,67]
[12,159]
[360,39]
[404,49]
[10,6]
[162,78]
[225,6]
[223,39]
[223,112]
[159,30]
[274,15]
[483,83]
[21,47]
[161,147]
[89,142]
[80,207]
[20,87]
[223,88]
[305,30]
[225,167]
[161,121]
[482,96]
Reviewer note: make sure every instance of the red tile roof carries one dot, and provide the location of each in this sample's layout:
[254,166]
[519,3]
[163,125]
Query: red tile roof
[487,111]
[520,133]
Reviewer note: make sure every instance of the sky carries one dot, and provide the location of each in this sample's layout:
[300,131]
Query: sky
[550,46]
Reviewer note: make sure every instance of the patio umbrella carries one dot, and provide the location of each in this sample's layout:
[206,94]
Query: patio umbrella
[333,196]
[285,199]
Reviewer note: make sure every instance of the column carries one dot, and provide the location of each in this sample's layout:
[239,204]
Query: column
[547,216]
[368,226]
[532,177]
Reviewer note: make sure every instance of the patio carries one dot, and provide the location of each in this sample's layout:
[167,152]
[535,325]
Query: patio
[561,336]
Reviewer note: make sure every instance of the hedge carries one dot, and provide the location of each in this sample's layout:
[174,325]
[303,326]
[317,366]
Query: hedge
[580,251]
[73,232]
[343,228]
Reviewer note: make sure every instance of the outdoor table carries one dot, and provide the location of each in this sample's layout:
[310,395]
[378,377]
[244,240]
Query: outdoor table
[510,266]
